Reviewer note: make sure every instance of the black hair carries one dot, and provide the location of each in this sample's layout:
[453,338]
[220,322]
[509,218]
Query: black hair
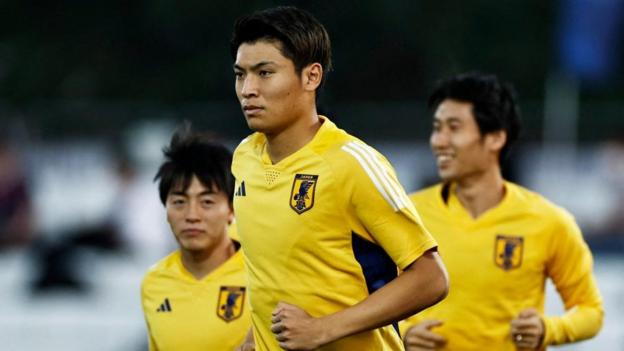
[493,103]
[194,154]
[303,38]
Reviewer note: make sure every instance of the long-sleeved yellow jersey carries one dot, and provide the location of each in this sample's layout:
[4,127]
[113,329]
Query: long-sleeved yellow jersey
[498,264]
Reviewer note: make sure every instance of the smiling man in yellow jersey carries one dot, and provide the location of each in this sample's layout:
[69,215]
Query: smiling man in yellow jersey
[194,299]
[323,221]
[500,241]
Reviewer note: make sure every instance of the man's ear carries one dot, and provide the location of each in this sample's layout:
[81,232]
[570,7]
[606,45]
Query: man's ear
[231,217]
[495,141]
[311,76]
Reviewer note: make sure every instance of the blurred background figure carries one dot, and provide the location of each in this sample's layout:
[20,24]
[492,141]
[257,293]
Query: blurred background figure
[610,233]
[58,259]
[128,222]
[16,216]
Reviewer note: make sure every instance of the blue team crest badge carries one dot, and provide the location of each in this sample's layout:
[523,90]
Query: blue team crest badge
[508,251]
[302,193]
[231,302]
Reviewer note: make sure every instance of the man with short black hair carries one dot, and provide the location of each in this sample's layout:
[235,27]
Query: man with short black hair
[324,223]
[194,299]
[500,241]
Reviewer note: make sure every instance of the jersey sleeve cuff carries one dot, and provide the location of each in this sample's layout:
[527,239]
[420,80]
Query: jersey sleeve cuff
[424,247]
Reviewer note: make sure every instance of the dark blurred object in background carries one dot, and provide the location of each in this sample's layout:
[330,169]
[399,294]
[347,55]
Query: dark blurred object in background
[58,259]
[589,39]
[16,223]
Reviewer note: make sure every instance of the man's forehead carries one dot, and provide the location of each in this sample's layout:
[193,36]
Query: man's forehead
[195,186]
[453,109]
[260,51]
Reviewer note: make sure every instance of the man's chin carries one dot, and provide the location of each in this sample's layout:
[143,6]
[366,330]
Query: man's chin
[254,123]
[192,245]
[446,176]
[260,125]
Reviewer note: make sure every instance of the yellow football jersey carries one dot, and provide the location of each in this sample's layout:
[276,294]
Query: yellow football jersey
[183,313]
[498,264]
[322,229]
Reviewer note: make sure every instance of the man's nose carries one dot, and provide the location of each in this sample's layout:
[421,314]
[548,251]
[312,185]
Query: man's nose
[438,140]
[249,87]
[192,213]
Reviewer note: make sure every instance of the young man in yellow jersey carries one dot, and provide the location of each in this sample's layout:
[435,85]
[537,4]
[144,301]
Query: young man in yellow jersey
[500,241]
[323,221]
[194,299]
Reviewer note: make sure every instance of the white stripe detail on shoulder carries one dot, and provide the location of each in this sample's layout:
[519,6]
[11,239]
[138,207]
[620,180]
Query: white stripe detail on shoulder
[394,183]
[393,188]
[370,175]
[378,174]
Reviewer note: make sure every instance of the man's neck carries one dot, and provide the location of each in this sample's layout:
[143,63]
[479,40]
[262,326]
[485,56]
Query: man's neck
[286,142]
[202,263]
[481,192]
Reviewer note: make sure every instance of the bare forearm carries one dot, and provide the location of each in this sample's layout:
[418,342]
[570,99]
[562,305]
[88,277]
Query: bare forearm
[423,284]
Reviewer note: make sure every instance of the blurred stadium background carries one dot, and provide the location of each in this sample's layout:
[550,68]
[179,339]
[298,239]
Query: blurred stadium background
[91,90]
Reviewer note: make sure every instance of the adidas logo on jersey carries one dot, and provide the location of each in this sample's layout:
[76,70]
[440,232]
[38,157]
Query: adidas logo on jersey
[165,306]
[241,190]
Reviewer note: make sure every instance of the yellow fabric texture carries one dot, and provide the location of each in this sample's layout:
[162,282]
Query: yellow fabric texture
[183,313]
[297,237]
[487,291]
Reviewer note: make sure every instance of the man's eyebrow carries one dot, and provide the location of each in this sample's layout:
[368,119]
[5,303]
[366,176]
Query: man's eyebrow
[184,193]
[254,67]
[447,120]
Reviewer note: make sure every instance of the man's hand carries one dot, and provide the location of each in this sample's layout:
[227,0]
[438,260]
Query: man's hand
[421,338]
[527,330]
[295,329]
